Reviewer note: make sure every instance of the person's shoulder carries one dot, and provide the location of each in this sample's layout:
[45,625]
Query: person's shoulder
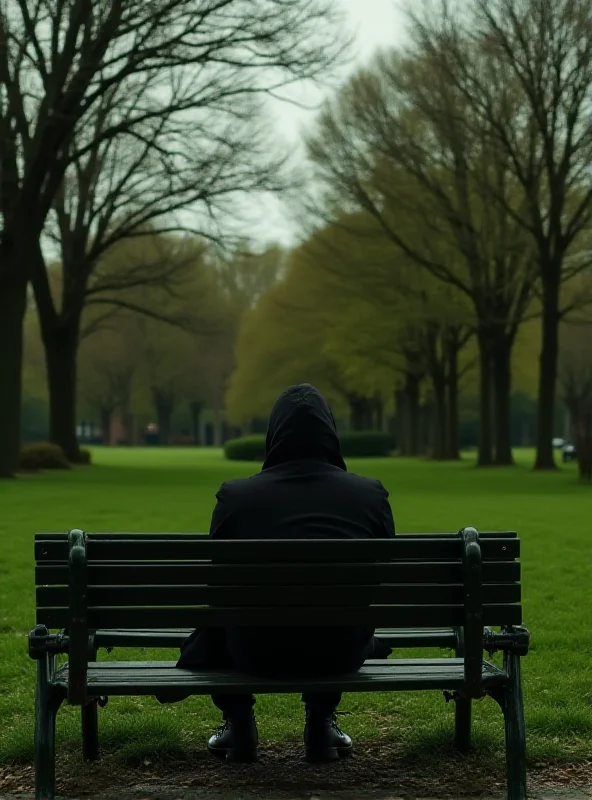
[237,486]
[369,485]
[230,488]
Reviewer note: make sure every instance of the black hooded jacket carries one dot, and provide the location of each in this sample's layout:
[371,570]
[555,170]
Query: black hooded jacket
[303,492]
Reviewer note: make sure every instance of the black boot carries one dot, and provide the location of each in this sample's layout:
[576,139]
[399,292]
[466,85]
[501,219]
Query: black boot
[237,739]
[323,740]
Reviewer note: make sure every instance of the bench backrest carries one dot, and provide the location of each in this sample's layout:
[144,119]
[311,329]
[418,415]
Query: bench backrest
[155,581]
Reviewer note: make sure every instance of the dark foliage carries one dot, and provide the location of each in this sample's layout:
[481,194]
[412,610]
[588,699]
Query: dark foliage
[43,455]
[362,444]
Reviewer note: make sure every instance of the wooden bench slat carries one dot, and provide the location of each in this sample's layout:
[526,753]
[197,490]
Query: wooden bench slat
[422,637]
[280,596]
[200,573]
[399,616]
[39,537]
[268,551]
[147,678]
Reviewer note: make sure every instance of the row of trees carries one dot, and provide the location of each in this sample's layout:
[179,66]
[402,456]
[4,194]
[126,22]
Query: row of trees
[120,119]
[454,197]
[447,234]
[168,364]
[377,350]
[470,150]
[300,316]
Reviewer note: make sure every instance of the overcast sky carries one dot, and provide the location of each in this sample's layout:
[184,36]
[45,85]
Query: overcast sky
[376,24]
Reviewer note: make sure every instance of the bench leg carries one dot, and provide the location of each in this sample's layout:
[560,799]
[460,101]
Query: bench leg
[462,708]
[47,702]
[89,717]
[90,731]
[462,724]
[510,700]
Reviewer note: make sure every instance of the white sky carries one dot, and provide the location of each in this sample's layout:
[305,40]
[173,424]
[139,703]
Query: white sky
[376,24]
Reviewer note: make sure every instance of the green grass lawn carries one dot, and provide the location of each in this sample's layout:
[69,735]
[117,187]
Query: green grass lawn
[173,490]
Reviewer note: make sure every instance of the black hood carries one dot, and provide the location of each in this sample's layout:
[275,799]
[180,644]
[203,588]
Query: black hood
[301,425]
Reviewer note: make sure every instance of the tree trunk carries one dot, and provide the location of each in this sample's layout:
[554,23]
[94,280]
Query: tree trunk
[401,426]
[164,415]
[453,437]
[362,413]
[356,413]
[440,432]
[13,302]
[127,420]
[195,408]
[379,414]
[583,442]
[548,377]
[412,392]
[164,404]
[61,349]
[217,428]
[502,394]
[426,429]
[106,414]
[484,458]
[408,416]
[370,415]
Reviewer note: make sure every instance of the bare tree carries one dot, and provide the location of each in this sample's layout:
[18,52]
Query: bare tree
[59,60]
[544,50]
[402,144]
[143,177]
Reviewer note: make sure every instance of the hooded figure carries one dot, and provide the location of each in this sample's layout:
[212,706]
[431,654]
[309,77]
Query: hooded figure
[302,492]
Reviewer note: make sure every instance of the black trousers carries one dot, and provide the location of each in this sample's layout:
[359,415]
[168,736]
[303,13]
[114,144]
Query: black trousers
[276,654]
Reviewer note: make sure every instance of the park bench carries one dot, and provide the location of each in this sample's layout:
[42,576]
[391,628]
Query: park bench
[105,590]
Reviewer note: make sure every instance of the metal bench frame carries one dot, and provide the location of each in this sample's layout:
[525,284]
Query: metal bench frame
[76,681]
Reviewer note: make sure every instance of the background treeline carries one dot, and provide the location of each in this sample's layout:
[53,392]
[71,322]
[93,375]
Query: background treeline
[442,284]
[206,358]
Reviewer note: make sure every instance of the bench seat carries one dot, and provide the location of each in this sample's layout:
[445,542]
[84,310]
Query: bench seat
[157,677]
[147,637]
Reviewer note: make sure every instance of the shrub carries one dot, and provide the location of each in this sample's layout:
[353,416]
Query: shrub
[43,456]
[365,444]
[247,448]
[84,457]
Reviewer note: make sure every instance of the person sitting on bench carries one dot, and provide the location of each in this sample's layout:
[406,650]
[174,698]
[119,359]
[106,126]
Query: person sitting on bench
[302,492]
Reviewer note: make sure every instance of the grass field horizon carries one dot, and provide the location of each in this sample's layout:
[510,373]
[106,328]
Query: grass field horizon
[173,490]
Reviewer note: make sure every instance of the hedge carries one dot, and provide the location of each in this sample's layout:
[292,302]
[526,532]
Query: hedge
[247,448]
[366,444]
[363,444]
[43,455]
[85,457]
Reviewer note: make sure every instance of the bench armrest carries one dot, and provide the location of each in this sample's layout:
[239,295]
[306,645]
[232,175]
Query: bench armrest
[514,640]
[473,602]
[78,621]
[42,642]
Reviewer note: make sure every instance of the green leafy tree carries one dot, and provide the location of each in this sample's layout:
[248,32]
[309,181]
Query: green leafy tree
[401,143]
[524,70]
[407,326]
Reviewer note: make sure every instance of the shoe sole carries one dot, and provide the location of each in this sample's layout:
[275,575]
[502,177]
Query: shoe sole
[233,756]
[328,755]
